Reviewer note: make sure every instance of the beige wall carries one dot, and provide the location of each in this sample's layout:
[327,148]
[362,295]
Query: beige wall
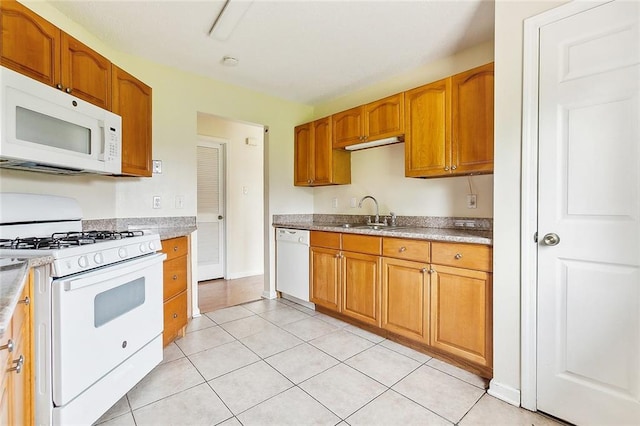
[243,212]
[509,17]
[380,171]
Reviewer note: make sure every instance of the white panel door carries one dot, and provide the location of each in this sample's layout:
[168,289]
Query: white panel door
[210,218]
[588,347]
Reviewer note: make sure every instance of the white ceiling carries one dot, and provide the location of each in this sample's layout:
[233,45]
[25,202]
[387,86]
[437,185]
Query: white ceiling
[305,51]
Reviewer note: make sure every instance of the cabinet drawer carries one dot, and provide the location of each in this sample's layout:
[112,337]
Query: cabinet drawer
[175,317]
[469,256]
[406,249]
[175,247]
[362,244]
[325,239]
[175,276]
[4,353]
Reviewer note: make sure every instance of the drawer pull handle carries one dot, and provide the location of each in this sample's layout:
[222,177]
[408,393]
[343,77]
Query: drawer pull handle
[175,248]
[401,249]
[18,362]
[26,301]
[175,277]
[9,346]
[175,316]
[458,256]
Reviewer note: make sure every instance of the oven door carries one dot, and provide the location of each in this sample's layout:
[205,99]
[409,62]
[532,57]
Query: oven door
[101,318]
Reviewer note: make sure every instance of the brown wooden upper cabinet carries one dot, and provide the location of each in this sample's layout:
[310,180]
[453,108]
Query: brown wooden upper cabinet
[449,125]
[132,101]
[38,49]
[315,162]
[376,120]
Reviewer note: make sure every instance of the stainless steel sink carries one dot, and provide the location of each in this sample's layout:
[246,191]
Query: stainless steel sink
[372,226]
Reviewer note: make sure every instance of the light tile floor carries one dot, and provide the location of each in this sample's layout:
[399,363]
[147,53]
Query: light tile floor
[273,362]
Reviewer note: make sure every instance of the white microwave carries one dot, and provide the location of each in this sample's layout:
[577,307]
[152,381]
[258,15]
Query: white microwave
[44,129]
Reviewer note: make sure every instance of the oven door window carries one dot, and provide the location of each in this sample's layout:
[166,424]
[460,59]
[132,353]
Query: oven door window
[117,301]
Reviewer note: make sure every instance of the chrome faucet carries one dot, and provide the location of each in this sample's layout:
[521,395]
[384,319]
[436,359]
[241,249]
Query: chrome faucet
[377,220]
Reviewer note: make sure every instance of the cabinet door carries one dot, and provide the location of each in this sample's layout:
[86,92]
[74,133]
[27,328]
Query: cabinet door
[405,298]
[175,317]
[85,73]
[303,155]
[322,152]
[384,118]
[428,130]
[324,266]
[461,313]
[361,287]
[132,101]
[472,115]
[348,127]
[30,45]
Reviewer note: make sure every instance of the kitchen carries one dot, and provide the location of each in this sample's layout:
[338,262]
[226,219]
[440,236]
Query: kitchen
[178,96]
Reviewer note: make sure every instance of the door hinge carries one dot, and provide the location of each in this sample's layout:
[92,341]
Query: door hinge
[535,237]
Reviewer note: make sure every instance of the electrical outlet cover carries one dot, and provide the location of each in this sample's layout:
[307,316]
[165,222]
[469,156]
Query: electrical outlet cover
[472,201]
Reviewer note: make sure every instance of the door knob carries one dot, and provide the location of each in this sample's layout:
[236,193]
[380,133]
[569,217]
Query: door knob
[551,239]
[220,217]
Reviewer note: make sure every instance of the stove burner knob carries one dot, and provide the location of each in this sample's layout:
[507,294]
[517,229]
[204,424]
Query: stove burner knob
[98,258]
[83,262]
[143,248]
[152,246]
[122,252]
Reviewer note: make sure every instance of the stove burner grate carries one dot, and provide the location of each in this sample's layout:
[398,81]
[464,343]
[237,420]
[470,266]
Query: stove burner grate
[65,239]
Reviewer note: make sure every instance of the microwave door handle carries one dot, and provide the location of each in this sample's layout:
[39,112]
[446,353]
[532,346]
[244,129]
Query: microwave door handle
[103,141]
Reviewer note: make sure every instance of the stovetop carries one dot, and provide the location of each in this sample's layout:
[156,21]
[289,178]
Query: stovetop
[61,240]
[75,252]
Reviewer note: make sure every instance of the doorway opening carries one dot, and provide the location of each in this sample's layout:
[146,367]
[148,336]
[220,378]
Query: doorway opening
[231,205]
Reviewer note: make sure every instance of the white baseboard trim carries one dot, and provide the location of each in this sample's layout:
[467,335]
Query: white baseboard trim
[269,294]
[244,274]
[504,393]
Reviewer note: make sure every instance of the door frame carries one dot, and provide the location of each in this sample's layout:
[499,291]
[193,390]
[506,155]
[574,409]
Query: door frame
[211,141]
[529,194]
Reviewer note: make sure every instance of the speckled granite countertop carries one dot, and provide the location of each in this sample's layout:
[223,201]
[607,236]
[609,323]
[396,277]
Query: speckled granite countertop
[421,228]
[13,276]
[167,227]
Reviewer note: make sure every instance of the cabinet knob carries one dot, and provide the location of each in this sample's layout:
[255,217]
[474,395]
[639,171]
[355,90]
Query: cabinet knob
[458,256]
[337,256]
[175,277]
[26,301]
[175,316]
[59,86]
[454,167]
[431,271]
[446,169]
[19,363]
[68,90]
[9,346]
[401,249]
[175,248]
[424,270]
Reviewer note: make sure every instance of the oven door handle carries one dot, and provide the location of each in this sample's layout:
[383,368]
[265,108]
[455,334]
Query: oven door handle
[98,277]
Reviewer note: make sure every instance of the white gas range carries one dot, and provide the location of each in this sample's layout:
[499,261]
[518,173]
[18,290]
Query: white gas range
[98,306]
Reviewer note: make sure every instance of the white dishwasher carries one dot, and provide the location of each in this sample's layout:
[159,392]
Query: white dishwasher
[292,264]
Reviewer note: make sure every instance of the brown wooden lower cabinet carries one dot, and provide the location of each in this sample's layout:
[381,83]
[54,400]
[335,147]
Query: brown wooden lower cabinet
[443,310]
[405,298]
[360,287]
[16,377]
[461,309]
[175,276]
